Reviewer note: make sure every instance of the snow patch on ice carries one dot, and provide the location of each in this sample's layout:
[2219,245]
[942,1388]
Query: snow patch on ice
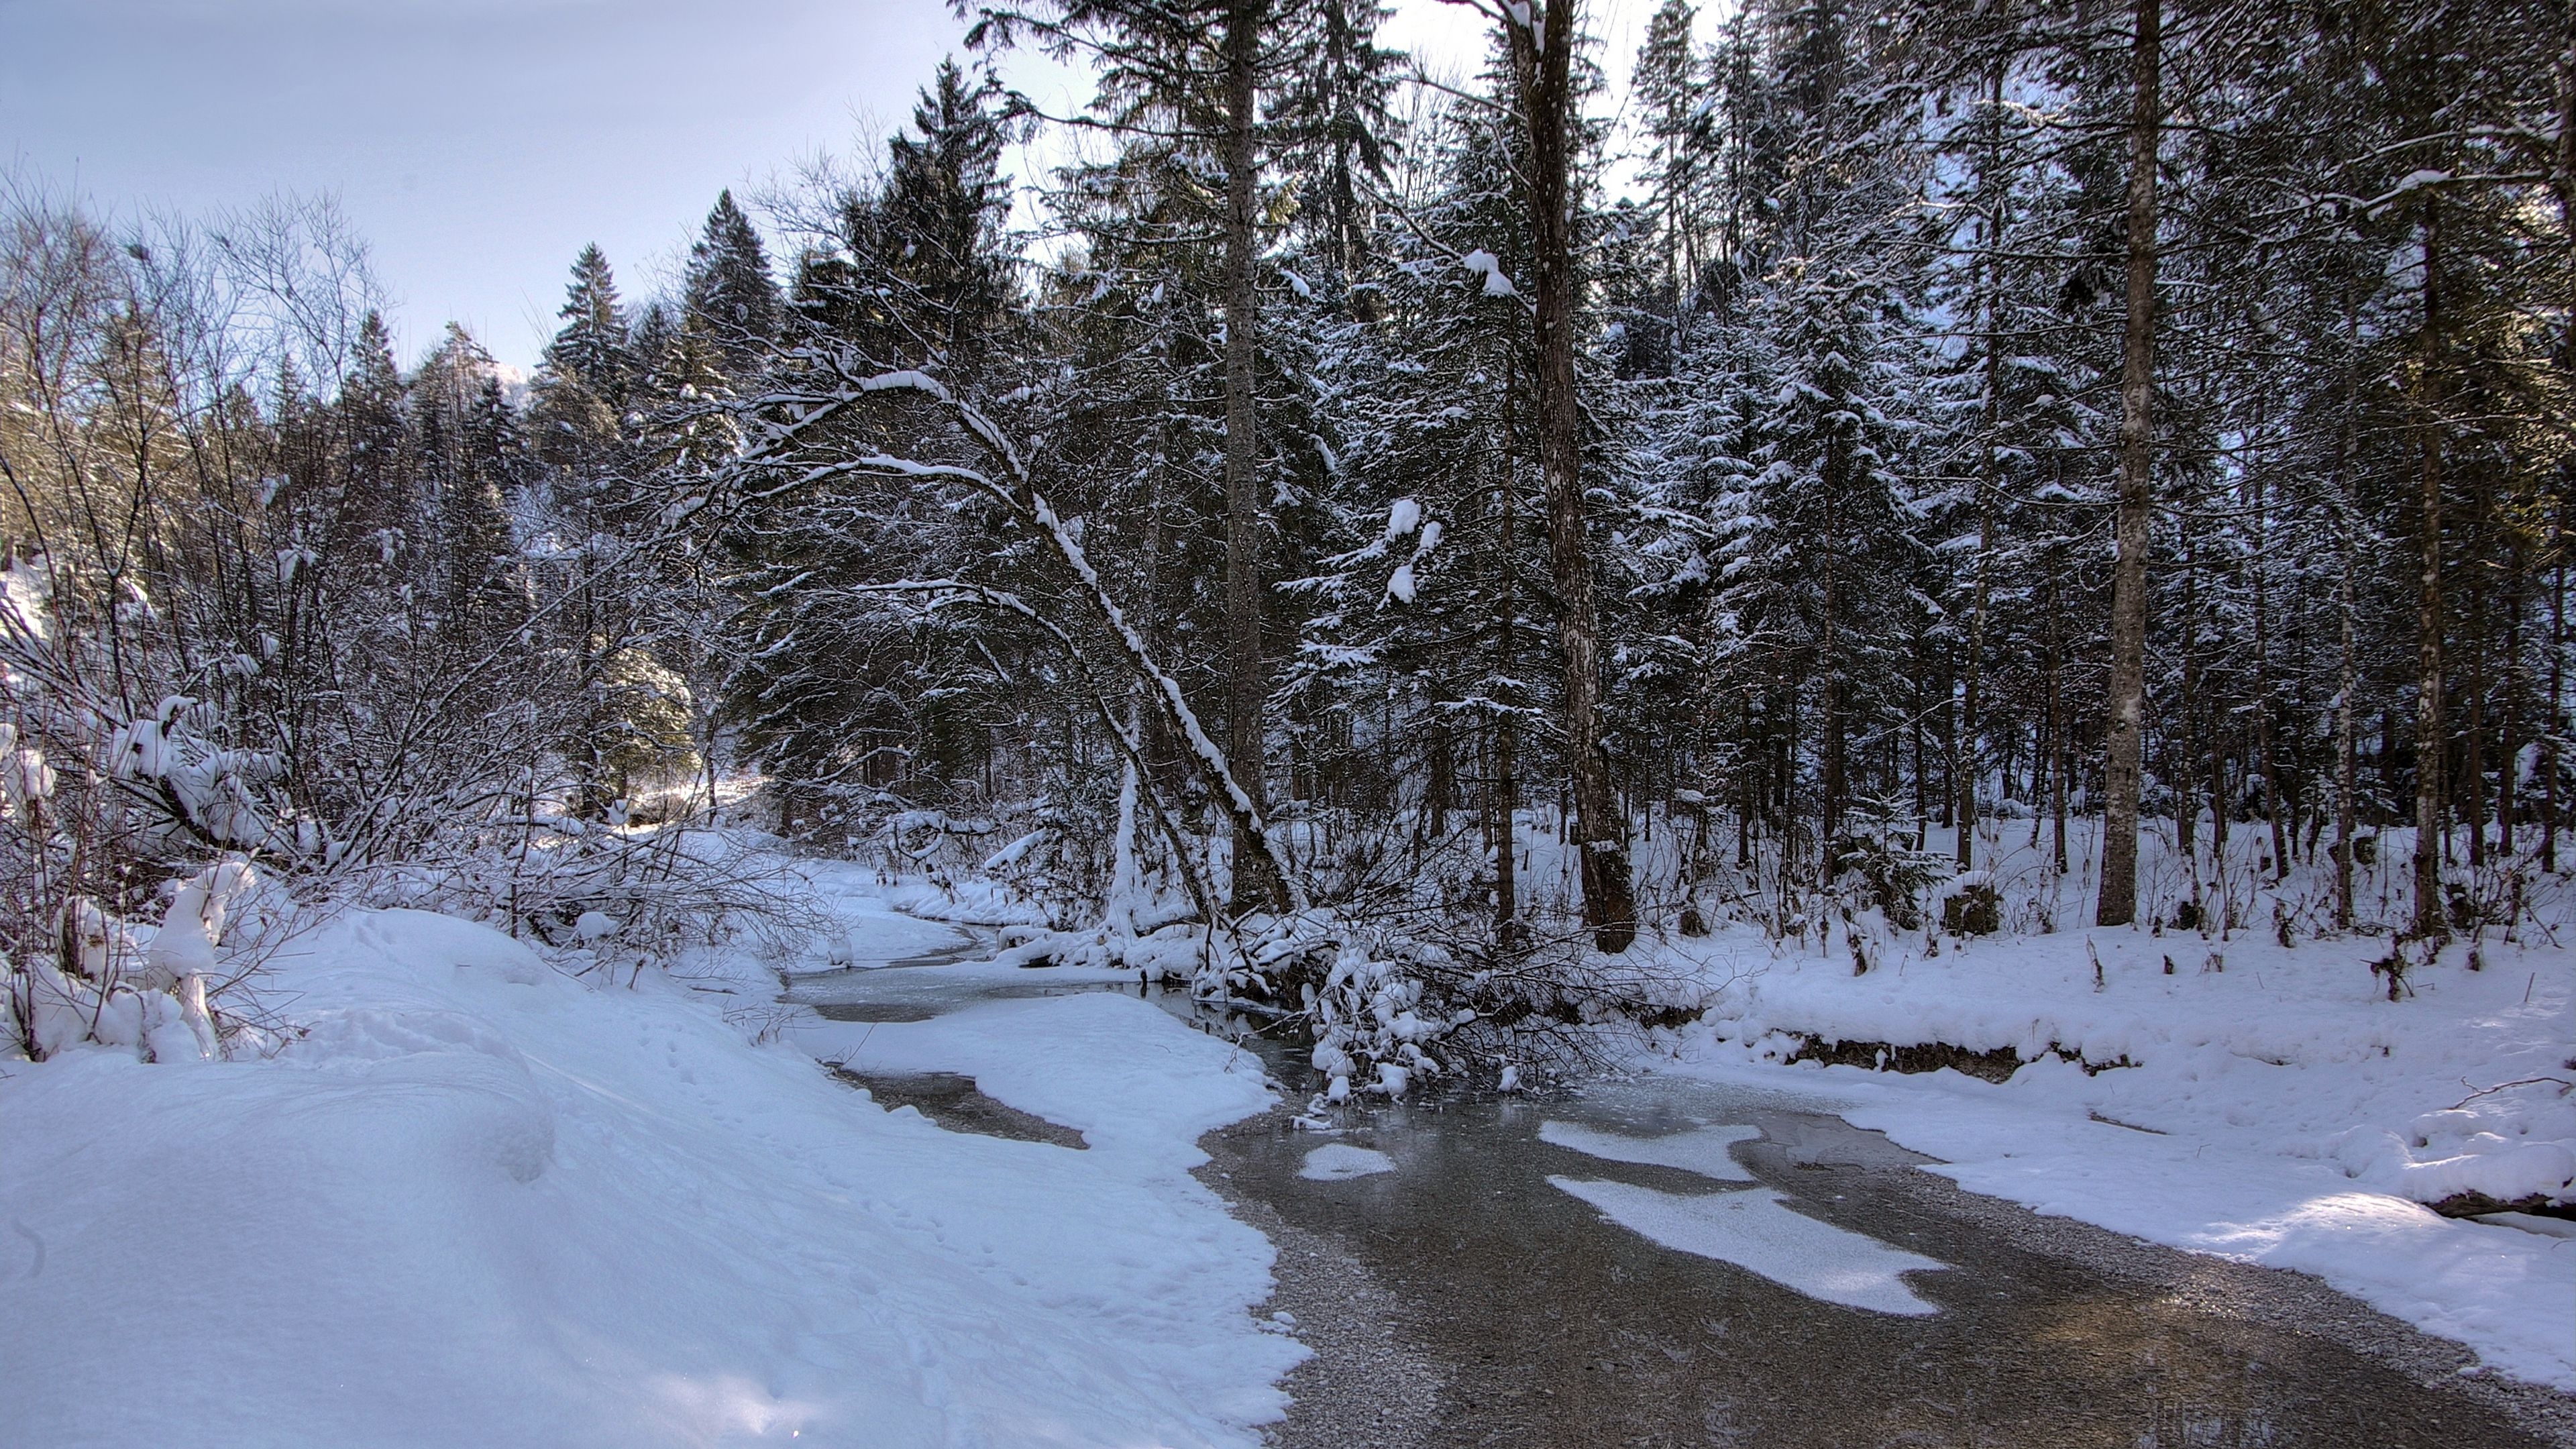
[1339,1161]
[1756,1231]
[1702,1150]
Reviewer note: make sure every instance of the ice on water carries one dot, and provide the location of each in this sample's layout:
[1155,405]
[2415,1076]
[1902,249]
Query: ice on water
[1755,1230]
[1702,1150]
[1335,1161]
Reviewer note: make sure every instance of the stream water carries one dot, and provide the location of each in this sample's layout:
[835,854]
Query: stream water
[1653,1261]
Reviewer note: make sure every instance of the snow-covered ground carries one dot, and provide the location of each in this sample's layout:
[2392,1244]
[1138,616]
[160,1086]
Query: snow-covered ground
[476,1200]
[2275,1106]
[479,1202]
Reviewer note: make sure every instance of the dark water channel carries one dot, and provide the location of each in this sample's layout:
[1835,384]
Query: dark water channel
[1460,1298]
[1533,1321]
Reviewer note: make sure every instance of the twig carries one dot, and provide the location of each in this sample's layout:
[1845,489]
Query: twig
[2503,1086]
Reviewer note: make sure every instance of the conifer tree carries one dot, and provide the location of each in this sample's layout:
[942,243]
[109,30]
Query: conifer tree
[731,299]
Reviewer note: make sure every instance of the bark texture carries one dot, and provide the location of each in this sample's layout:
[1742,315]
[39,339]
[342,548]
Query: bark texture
[1257,886]
[2124,736]
[1542,54]
[2429,743]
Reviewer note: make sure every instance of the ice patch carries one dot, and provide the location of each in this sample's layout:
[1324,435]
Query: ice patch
[1701,1150]
[1338,1161]
[1755,1231]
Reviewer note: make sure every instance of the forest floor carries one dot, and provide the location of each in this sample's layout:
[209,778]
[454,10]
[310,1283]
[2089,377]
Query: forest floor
[481,1201]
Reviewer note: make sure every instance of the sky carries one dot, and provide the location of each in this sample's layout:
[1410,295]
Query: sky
[480,144]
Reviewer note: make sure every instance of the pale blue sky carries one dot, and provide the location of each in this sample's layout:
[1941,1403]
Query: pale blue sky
[478,144]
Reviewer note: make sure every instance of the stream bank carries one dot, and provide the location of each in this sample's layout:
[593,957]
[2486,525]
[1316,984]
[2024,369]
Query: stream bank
[1472,1293]
[1487,1306]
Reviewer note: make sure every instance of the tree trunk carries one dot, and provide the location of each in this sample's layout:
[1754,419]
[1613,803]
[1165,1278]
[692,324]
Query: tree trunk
[1914,729]
[2062,752]
[2562,182]
[2184,714]
[2428,602]
[2389,783]
[1504,794]
[1542,54]
[1949,751]
[1969,703]
[2473,756]
[2123,745]
[1440,783]
[2509,707]
[2265,704]
[1829,715]
[2550,721]
[1990,290]
[2348,673]
[1247,679]
[2346,756]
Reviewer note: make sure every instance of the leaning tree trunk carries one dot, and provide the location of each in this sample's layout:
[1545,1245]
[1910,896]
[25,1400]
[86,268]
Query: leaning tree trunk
[1542,55]
[1256,886]
[2123,747]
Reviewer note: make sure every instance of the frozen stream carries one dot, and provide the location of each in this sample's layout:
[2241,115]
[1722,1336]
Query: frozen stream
[1650,1261]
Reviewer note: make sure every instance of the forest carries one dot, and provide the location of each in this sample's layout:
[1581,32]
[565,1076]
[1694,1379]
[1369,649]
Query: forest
[1383,545]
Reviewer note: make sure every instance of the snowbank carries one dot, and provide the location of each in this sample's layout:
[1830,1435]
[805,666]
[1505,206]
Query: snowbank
[479,1202]
[2270,1105]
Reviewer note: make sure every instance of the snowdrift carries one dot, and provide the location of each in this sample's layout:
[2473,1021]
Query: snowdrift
[477,1202]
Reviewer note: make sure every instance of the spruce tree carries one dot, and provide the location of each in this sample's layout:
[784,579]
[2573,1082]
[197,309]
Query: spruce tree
[730,297]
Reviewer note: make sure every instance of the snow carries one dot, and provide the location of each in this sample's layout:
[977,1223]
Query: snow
[1402,518]
[1754,1229]
[1013,853]
[1339,1161]
[1133,1080]
[1702,1150]
[2262,1103]
[1497,282]
[1400,585]
[479,1201]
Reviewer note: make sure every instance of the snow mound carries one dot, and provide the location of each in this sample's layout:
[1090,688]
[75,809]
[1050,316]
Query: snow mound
[480,1202]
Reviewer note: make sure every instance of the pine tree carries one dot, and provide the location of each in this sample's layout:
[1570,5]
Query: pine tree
[731,299]
[591,348]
